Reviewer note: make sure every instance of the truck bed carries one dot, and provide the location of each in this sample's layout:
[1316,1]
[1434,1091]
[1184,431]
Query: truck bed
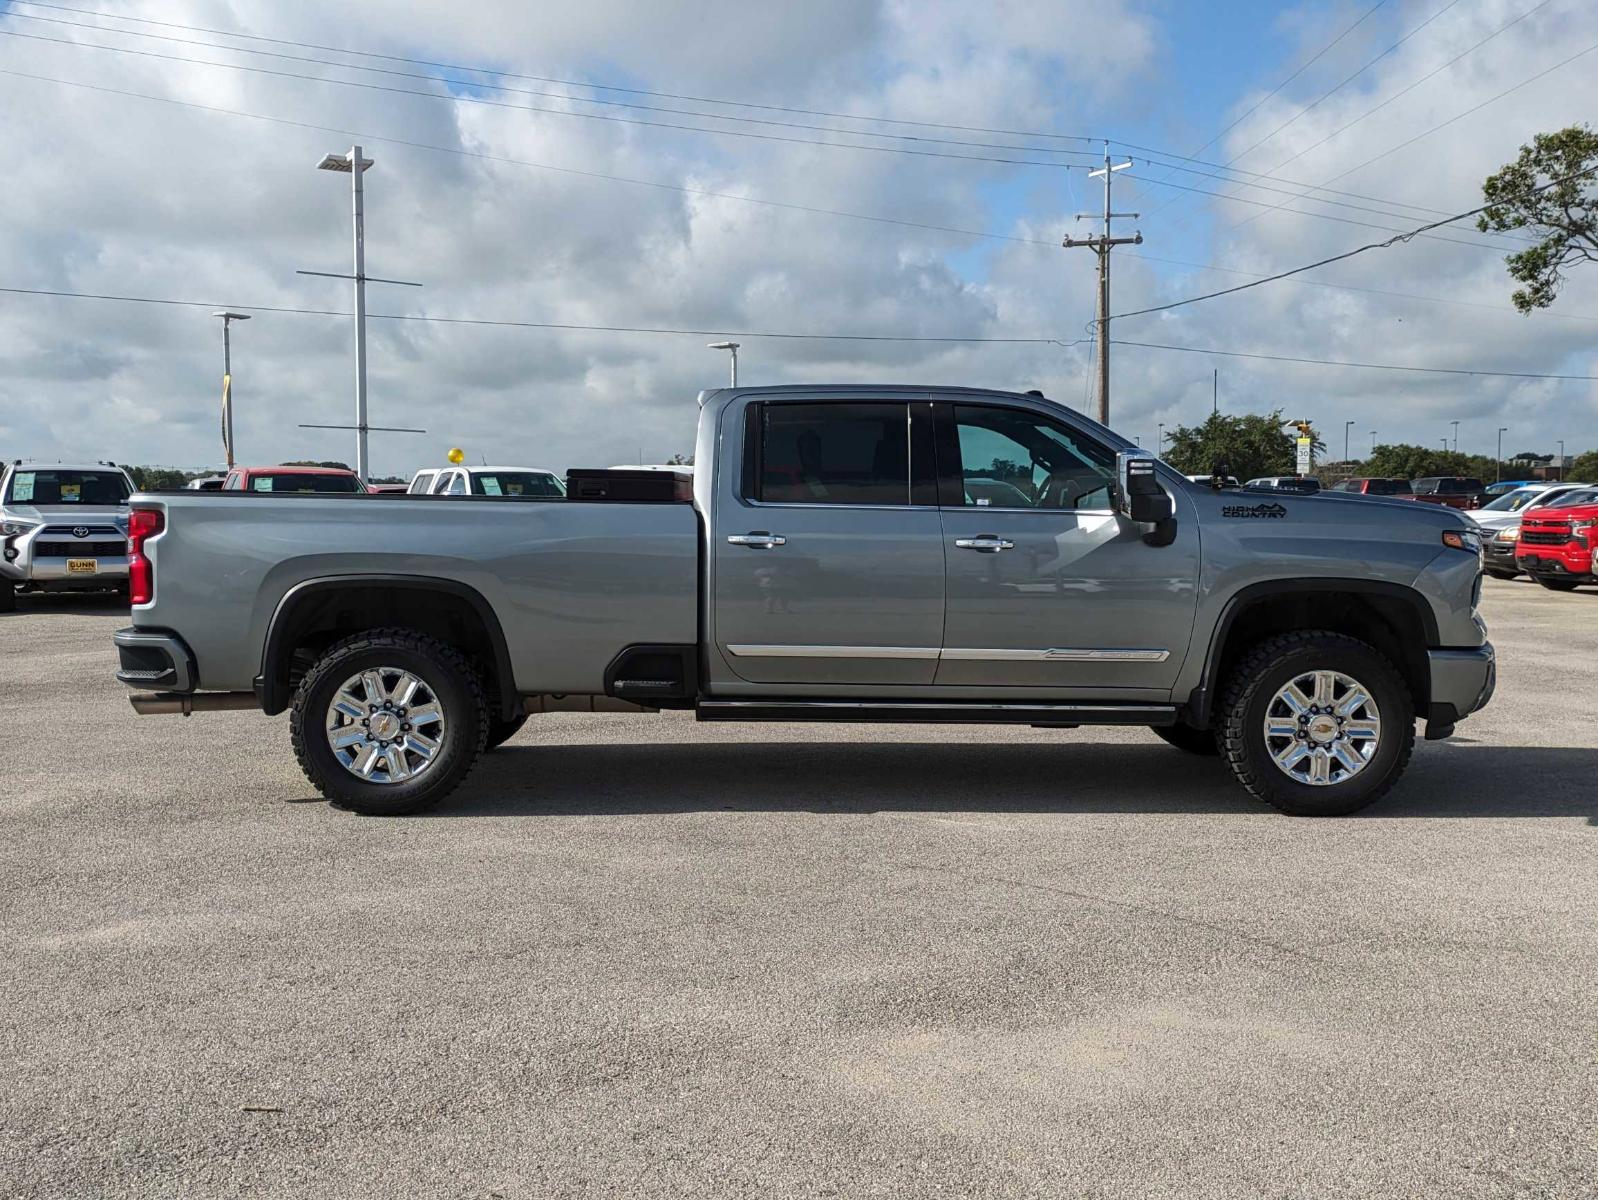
[570,581]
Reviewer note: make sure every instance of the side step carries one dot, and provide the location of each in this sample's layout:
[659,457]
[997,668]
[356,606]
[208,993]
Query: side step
[917,712]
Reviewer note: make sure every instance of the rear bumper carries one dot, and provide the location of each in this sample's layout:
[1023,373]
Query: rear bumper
[1462,683]
[155,659]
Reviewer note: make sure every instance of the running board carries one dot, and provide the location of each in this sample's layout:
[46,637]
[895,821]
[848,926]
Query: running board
[913,712]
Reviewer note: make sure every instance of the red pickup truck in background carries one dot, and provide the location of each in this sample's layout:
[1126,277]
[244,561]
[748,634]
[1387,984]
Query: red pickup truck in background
[1558,547]
[1456,491]
[292,479]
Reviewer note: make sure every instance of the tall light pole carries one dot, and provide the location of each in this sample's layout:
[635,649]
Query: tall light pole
[1347,425]
[227,381]
[1373,442]
[356,166]
[1561,460]
[732,349]
[1455,424]
[1159,444]
[1501,431]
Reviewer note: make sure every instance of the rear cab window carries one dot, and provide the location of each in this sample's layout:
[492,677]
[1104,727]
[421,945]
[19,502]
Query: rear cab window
[293,481]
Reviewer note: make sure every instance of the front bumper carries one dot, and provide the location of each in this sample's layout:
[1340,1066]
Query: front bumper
[1462,683]
[155,659]
[1576,564]
[1499,555]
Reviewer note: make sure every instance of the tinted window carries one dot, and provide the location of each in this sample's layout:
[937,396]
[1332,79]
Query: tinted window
[420,484]
[294,481]
[835,454]
[68,487]
[516,483]
[1010,458]
[456,485]
[1386,487]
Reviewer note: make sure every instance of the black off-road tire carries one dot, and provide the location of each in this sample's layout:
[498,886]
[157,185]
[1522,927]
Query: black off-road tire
[447,673]
[1555,584]
[1254,683]
[501,731]
[8,596]
[1498,573]
[1185,737]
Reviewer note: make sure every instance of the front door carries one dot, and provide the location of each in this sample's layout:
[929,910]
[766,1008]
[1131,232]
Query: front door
[828,554]
[1047,585]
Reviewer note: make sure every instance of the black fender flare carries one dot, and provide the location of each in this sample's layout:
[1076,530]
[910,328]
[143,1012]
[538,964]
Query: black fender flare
[271,685]
[1201,700]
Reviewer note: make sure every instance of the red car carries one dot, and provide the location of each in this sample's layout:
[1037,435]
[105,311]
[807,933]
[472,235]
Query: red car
[1374,487]
[292,479]
[1558,546]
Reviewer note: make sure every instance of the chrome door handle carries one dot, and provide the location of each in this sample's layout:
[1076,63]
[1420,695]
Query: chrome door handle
[985,542]
[758,540]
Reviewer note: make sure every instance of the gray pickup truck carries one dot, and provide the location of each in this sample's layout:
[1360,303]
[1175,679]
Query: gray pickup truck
[889,554]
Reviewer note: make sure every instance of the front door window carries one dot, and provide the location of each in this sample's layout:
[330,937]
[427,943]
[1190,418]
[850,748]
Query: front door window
[1010,458]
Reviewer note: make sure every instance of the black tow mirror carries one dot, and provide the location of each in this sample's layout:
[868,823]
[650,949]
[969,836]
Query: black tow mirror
[1141,497]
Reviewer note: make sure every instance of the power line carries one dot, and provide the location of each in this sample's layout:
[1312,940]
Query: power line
[452,98]
[1337,362]
[721,331]
[603,87]
[1392,241]
[327,62]
[369,137]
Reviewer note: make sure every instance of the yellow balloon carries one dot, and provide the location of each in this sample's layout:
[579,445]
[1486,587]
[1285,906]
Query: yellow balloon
[457,455]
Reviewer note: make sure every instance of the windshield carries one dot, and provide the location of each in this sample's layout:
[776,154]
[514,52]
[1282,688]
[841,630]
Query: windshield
[1513,501]
[516,483]
[297,481]
[1572,499]
[67,487]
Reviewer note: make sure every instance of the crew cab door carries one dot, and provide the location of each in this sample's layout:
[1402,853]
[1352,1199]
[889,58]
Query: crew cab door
[1047,585]
[827,551]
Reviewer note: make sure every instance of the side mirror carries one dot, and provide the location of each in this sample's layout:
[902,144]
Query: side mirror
[1139,494]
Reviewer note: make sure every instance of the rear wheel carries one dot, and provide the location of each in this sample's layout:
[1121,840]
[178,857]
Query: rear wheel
[1185,737]
[388,722]
[1555,584]
[1317,723]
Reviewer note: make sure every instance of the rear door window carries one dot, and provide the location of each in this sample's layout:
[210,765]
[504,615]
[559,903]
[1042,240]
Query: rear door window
[840,453]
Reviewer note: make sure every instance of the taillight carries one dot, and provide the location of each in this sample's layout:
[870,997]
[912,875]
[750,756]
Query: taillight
[143,523]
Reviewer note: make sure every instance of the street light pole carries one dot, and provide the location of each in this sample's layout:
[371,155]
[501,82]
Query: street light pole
[732,349]
[1502,430]
[1159,445]
[1373,442]
[1455,424]
[357,166]
[227,381]
[1347,425]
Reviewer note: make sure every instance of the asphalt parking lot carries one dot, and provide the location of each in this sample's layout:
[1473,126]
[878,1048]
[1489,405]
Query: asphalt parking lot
[640,956]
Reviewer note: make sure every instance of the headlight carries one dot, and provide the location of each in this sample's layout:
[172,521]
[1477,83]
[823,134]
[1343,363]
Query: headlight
[15,528]
[1581,526]
[1509,535]
[1463,539]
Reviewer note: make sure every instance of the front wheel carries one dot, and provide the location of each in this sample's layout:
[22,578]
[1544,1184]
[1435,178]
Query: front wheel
[388,722]
[1499,573]
[1555,584]
[1317,723]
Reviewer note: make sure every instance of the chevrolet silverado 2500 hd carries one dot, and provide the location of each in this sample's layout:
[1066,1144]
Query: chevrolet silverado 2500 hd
[849,554]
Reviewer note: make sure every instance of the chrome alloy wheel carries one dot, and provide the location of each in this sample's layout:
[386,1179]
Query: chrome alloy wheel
[385,725]
[1322,728]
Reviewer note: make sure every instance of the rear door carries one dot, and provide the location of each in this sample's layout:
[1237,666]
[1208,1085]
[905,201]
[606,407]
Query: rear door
[828,549]
[1047,585]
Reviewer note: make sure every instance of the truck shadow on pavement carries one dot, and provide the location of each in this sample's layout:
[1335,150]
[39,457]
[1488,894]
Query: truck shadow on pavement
[1447,780]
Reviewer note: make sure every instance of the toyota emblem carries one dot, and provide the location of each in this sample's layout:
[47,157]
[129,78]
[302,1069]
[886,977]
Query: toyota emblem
[80,531]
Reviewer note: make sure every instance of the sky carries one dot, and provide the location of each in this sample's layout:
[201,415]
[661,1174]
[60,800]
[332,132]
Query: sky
[163,169]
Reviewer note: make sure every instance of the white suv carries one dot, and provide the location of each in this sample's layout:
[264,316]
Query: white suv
[487,481]
[63,527]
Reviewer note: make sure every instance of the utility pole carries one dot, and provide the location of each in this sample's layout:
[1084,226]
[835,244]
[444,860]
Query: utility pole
[1101,246]
[356,166]
[1215,391]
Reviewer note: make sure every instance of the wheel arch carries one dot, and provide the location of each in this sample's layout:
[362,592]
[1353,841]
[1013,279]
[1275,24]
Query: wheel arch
[1394,618]
[317,612]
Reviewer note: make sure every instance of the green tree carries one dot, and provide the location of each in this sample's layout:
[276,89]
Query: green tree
[1249,444]
[154,479]
[1551,189]
[1584,468]
[1401,461]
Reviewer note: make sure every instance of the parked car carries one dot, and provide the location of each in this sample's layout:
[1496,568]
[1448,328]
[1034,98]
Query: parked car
[1456,491]
[1373,487]
[1500,520]
[388,489]
[1509,485]
[527,482]
[293,479]
[830,565]
[1227,481]
[1557,543]
[206,483]
[1286,483]
[63,527]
